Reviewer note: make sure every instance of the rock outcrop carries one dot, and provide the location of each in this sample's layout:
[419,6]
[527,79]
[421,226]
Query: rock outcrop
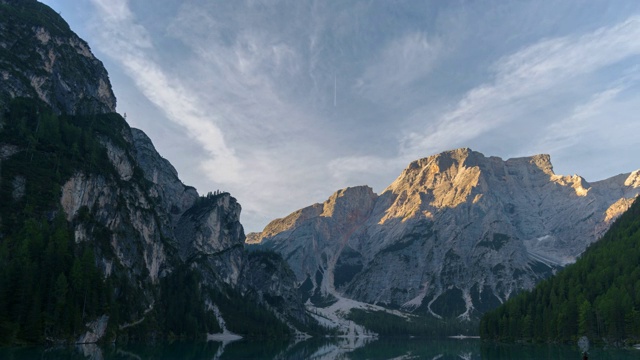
[211,232]
[123,200]
[41,58]
[454,235]
[173,195]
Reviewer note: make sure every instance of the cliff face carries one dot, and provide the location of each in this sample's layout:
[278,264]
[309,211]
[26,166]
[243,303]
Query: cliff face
[175,198]
[40,57]
[145,229]
[211,232]
[454,235]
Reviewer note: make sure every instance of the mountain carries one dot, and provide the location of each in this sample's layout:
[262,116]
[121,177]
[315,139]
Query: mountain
[456,234]
[41,58]
[597,297]
[99,238]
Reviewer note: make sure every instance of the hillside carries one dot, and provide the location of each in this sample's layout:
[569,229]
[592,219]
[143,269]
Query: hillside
[99,238]
[597,297]
[455,235]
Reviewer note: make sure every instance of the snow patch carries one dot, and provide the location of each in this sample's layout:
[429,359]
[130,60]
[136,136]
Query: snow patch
[334,316]
[468,304]
[225,336]
[463,337]
[416,301]
[548,259]
[431,302]
[96,331]
[542,238]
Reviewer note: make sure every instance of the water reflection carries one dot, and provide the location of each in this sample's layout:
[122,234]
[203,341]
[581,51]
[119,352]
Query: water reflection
[319,349]
[90,351]
[552,351]
[417,348]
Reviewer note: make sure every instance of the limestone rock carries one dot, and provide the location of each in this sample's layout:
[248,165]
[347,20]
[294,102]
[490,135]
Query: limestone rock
[211,230]
[140,220]
[97,330]
[269,277]
[174,196]
[454,235]
[42,58]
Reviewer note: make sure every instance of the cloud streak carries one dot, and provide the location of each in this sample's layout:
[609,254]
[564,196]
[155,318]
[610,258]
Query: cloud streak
[129,43]
[226,93]
[405,60]
[520,77]
[571,131]
[251,84]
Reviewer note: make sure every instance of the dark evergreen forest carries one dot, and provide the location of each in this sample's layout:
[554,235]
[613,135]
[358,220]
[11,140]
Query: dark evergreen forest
[50,284]
[597,297]
[386,324]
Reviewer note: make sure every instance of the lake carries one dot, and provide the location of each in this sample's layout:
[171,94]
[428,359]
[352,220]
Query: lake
[320,349]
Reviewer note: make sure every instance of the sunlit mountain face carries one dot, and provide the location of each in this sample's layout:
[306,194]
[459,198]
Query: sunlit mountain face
[296,99]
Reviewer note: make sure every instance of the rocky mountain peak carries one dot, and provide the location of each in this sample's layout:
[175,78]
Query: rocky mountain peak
[174,196]
[145,238]
[41,58]
[350,203]
[543,162]
[439,181]
[633,180]
[448,179]
[445,160]
[278,226]
[454,235]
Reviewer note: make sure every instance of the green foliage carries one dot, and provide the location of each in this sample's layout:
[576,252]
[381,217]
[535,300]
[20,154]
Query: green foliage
[49,285]
[51,149]
[388,324]
[34,13]
[182,308]
[204,203]
[597,297]
[449,304]
[245,316]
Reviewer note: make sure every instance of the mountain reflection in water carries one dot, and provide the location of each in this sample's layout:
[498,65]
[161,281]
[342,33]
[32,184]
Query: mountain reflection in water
[320,349]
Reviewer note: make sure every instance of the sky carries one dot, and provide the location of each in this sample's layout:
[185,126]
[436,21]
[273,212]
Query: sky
[282,103]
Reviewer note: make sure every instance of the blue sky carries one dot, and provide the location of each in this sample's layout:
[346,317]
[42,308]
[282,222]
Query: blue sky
[282,103]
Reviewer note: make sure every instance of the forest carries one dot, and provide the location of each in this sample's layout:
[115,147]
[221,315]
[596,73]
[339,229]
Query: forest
[386,324]
[50,283]
[598,296]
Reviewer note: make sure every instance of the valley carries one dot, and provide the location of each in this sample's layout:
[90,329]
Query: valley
[102,242]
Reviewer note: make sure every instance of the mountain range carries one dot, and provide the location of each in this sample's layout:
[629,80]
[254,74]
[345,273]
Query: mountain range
[595,299]
[454,235]
[101,241]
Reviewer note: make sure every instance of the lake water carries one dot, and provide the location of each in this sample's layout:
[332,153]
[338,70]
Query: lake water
[320,349]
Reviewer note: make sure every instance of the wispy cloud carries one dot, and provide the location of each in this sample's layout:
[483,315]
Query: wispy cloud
[253,87]
[129,44]
[376,169]
[520,77]
[405,60]
[600,129]
[572,130]
[226,92]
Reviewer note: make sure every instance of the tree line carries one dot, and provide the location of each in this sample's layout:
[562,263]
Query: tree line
[598,296]
[51,285]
